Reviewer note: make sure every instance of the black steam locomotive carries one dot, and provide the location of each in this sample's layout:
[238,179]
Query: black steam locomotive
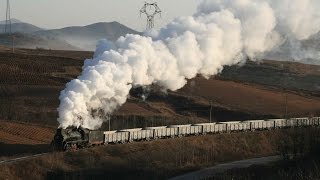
[74,138]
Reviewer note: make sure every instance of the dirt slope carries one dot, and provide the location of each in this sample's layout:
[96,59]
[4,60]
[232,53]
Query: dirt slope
[253,98]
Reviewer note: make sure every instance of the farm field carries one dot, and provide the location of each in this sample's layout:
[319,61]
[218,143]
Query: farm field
[19,139]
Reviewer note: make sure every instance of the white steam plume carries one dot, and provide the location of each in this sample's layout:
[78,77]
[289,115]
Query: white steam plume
[222,32]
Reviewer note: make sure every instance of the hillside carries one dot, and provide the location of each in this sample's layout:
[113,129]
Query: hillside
[31,81]
[13,20]
[86,37]
[24,138]
[288,75]
[21,28]
[29,41]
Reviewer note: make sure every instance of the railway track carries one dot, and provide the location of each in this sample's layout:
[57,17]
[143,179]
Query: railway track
[9,161]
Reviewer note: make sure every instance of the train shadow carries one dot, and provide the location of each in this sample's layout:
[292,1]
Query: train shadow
[19,149]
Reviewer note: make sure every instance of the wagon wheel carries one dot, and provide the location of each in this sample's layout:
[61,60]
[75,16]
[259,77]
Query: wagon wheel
[74,147]
[155,138]
[67,147]
[70,147]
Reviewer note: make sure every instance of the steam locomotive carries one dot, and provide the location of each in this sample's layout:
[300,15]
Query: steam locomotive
[74,138]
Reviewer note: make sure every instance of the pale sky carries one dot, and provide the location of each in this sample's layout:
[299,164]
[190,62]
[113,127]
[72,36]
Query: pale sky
[61,13]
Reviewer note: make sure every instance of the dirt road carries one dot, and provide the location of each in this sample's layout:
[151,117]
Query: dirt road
[226,166]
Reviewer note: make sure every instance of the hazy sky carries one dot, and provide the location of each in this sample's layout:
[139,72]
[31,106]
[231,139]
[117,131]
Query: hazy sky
[61,13]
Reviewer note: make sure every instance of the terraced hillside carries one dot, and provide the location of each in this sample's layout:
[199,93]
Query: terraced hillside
[18,138]
[17,133]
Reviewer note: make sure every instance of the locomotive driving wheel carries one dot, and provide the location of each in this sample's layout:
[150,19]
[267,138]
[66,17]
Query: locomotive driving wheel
[70,147]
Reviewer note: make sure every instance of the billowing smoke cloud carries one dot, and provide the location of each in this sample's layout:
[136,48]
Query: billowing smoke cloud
[297,20]
[222,32]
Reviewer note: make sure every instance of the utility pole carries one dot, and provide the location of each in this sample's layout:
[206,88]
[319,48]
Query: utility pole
[210,110]
[109,123]
[286,111]
[13,44]
[284,92]
[150,10]
[109,119]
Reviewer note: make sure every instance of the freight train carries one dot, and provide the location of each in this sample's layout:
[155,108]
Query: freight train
[74,138]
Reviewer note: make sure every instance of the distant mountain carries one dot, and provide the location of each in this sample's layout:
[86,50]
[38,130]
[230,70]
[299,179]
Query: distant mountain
[12,21]
[29,41]
[21,27]
[86,37]
[70,38]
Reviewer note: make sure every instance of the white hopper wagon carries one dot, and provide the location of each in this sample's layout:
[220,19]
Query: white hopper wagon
[206,127]
[232,125]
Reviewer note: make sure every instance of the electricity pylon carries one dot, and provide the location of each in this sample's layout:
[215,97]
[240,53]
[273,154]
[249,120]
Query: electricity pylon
[150,14]
[7,27]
